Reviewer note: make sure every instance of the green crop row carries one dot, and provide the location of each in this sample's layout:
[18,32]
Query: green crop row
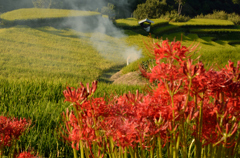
[210,52]
[39,13]
[52,54]
[164,29]
[214,31]
[132,23]
[234,42]
[205,23]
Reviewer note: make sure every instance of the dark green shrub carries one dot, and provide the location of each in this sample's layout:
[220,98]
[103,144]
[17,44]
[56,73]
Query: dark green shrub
[235,18]
[151,9]
[173,16]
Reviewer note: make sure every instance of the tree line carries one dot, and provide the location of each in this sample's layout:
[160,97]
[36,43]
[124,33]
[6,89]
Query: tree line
[125,8]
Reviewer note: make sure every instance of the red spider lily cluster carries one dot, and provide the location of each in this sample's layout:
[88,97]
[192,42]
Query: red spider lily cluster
[10,131]
[190,109]
[26,154]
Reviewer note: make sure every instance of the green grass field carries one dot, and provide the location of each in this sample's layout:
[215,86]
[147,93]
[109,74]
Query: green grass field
[50,54]
[37,13]
[132,22]
[205,22]
[212,51]
[218,44]
[37,63]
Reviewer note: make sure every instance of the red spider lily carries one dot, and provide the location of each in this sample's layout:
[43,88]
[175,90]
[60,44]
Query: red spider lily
[79,95]
[165,72]
[11,129]
[185,100]
[94,107]
[26,154]
[175,50]
[78,128]
[125,132]
[137,113]
[233,70]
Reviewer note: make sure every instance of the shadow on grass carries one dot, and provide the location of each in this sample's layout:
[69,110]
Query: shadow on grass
[107,74]
[221,42]
[59,32]
[209,44]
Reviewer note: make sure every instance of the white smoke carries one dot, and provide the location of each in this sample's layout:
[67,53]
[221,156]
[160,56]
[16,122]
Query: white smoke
[105,37]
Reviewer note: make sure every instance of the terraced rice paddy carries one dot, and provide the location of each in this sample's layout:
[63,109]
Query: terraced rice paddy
[38,62]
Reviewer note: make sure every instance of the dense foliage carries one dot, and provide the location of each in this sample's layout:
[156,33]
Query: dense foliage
[125,8]
[151,9]
[235,18]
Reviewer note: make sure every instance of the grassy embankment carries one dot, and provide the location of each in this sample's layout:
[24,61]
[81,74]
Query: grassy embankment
[218,39]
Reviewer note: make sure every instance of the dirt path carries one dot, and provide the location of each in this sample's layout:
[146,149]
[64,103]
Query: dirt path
[115,76]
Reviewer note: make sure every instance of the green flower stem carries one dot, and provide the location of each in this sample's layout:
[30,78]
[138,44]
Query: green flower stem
[13,149]
[197,148]
[168,150]
[75,153]
[219,150]
[183,136]
[81,149]
[153,145]
[173,144]
[190,148]
[159,155]
[142,150]
[125,152]
[211,150]
[235,151]
[171,147]
[111,147]
[205,152]
[177,146]
[87,153]
[2,147]
[199,122]
[131,151]
[120,153]
[94,149]
[136,152]
[215,152]
[152,153]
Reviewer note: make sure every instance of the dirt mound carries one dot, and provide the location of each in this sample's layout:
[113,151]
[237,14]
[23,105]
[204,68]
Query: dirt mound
[131,78]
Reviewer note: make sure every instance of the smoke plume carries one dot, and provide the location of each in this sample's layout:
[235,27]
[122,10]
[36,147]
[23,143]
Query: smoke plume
[105,37]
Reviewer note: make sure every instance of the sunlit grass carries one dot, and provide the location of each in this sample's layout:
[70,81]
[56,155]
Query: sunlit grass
[39,13]
[48,53]
[211,52]
[215,30]
[205,22]
[132,22]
